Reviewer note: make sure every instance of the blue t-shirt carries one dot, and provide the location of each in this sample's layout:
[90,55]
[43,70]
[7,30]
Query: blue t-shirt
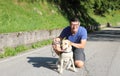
[76,38]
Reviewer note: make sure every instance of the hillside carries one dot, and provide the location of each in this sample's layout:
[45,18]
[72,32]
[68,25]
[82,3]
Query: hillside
[23,16]
[28,15]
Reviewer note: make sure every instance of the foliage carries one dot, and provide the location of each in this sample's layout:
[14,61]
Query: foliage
[21,48]
[9,51]
[85,9]
[40,44]
[29,15]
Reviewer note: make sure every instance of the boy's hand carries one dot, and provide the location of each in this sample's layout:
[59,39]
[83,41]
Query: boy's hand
[56,44]
[56,47]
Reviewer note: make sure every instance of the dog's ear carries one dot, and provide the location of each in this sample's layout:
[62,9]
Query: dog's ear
[70,46]
[64,38]
[69,42]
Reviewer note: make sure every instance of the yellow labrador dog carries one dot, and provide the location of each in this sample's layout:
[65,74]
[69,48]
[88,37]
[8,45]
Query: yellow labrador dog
[66,57]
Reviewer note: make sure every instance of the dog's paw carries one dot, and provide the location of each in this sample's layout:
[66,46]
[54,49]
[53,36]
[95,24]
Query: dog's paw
[60,72]
[58,66]
[75,70]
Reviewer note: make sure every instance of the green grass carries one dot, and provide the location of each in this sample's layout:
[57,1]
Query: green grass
[22,16]
[113,18]
[40,44]
[25,16]
[12,51]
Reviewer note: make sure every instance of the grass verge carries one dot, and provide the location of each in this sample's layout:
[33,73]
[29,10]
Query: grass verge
[12,51]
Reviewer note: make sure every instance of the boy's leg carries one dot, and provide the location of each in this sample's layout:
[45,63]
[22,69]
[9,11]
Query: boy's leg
[79,57]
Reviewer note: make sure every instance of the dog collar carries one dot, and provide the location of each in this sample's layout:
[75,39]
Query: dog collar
[66,52]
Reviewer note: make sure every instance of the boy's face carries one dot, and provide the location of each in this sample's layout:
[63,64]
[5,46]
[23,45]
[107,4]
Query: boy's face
[74,26]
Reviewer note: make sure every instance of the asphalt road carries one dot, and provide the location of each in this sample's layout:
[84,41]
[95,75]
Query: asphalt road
[102,58]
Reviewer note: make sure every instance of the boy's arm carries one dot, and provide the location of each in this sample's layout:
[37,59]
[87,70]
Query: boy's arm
[79,45]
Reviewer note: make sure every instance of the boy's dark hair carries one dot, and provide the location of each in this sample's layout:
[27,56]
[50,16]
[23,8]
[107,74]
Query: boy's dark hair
[74,19]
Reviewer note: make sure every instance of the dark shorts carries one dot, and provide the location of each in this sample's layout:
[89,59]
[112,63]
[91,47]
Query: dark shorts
[78,54]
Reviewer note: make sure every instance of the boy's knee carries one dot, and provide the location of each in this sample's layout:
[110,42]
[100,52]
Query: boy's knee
[79,64]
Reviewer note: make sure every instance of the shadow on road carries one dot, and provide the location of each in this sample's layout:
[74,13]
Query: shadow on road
[105,35]
[46,62]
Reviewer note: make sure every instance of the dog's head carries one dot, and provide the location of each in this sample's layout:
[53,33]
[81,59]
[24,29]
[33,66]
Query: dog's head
[66,45]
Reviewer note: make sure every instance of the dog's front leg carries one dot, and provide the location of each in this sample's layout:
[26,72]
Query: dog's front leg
[69,64]
[58,63]
[74,69]
[61,67]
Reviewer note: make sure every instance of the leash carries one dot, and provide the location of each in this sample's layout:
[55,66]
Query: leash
[53,52]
